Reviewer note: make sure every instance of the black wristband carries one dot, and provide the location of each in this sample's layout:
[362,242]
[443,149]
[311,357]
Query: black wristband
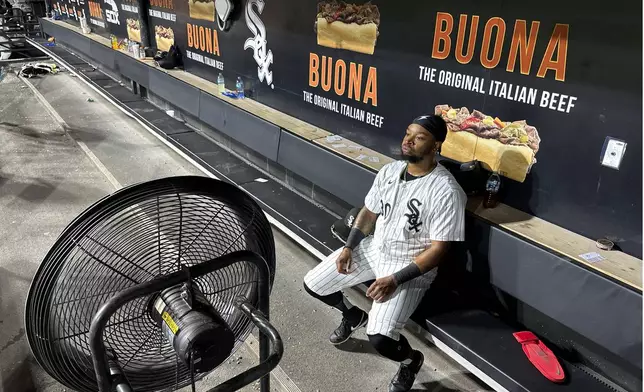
[355,236]
[408,273]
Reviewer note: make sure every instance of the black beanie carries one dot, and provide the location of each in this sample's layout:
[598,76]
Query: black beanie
[433,124]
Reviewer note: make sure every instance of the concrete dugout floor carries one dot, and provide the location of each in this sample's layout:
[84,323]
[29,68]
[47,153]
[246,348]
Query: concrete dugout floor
[49,174]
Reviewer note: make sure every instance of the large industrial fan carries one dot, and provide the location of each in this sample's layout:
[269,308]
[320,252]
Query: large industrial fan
[153,287]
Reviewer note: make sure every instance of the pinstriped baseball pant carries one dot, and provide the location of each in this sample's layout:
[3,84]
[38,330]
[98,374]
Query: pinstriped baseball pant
[385,318]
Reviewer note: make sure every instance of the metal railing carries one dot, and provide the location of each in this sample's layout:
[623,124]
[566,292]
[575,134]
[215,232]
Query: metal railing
[15,27]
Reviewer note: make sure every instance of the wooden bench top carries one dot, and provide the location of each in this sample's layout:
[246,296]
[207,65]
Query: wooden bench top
[618,265]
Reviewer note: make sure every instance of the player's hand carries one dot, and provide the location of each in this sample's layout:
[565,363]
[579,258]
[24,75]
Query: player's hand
[343,262]
[382,288]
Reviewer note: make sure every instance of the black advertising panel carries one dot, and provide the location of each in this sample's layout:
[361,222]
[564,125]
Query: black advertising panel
[94,11]
[97,17]
[130,17]
[164,25]
[531,89]
[203,49]
[123,19]
[71,11]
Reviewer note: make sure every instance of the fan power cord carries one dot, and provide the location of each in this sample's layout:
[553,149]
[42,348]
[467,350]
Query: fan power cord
[192,371]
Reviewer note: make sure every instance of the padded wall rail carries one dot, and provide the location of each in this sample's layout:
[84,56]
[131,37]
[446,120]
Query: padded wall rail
[598,308]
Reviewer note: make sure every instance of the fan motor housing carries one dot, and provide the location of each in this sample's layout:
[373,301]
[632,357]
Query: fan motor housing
[193,327]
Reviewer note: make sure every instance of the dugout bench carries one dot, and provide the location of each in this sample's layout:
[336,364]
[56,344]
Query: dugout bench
[496,284]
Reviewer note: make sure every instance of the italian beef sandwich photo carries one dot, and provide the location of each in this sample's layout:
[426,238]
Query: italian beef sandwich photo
[508,148]
[202,9]
[347,26]
[164,37]
[133,30]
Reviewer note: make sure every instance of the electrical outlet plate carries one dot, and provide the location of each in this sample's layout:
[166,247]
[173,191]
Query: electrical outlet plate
[613,152]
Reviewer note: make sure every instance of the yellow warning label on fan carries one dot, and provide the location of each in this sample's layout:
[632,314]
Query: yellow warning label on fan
[171,324]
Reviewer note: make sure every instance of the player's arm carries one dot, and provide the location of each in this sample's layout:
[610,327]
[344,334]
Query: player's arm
[362,227]
[382,288]
[432,256]
[366,219]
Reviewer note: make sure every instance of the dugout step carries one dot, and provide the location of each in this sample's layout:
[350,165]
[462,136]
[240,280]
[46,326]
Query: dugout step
[485,340]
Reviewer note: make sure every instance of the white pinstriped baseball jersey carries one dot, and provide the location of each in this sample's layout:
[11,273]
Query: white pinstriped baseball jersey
[411,215]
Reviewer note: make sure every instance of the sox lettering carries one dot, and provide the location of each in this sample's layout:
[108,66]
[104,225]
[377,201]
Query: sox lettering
[350,221]
[112,16]
[413,215]
[262,57]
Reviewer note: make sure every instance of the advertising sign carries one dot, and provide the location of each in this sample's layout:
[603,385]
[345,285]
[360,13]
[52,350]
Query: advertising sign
[530,89]
[97,18]
[70,11]
[163,23]
[123,19]
[105,17]
[203,50]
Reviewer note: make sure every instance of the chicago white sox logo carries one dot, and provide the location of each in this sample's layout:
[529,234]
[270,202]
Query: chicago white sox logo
[262,56]
[350,221]
[414,215]
[112,15]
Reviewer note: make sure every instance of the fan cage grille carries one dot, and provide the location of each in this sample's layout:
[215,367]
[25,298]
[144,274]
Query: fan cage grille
[130,237]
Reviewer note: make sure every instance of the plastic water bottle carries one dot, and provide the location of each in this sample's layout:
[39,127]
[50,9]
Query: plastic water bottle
[492,187]
[221,83]
[240,88]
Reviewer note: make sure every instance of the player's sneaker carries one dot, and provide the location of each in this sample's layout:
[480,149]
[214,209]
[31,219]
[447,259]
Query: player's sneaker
[348,327]
[404,379]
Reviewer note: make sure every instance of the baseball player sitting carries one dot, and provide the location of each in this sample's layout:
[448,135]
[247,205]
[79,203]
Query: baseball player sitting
[419,209]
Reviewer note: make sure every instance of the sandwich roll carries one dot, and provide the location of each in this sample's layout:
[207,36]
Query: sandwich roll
[204,10]
[133,30]
[459,146]
[164,44]
[340,25]
[510,161]
[133,35]
[508,148]
[164,37]
[354,37]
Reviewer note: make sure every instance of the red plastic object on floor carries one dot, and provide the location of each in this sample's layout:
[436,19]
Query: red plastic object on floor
[540,356]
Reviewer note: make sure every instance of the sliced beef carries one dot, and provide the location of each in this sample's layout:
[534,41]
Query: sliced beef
[478,114]
[337,11]
[470,123]
[165,32]
[133,23]
[492,133]
[533,136]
